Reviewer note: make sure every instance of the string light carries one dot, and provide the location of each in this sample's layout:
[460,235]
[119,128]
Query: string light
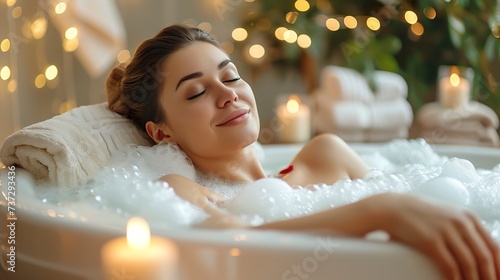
[332,24]
[373,23]
[256,51]
[10,3]
[290,36]
[17,12]
[71,33]
[304,41]
[239,34]
[417,29]
[123,56]
[495,30]
[5,73]
[39,27]
[40,81]
[430,13]
[350,22]
[11,86]
[60,8]
[280,33]
[302,5]
[205,26]
[5,45]
[411,17]
[71,45]
[291,17]
[51,72]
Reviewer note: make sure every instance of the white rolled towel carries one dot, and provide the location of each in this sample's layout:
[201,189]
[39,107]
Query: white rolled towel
[66,149]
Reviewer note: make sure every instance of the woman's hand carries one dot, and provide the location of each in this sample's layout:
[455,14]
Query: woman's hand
[453,238]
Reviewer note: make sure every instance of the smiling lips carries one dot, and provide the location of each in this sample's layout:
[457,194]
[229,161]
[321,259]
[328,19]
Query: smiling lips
[236,117]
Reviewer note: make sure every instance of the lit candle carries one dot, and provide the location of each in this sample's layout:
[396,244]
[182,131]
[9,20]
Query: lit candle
[454,91]
[295,121]
[139,256]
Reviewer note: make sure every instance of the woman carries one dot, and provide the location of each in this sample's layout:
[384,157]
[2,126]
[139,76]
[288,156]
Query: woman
[182,88]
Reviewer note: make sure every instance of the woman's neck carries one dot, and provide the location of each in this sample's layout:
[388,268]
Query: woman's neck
[241,166]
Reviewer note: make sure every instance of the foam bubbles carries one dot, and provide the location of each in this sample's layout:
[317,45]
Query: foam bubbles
[445,189]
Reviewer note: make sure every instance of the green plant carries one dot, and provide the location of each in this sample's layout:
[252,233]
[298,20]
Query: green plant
[434,33]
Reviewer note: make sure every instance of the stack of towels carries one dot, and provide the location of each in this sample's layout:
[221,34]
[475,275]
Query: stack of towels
[348,107]
[475,124]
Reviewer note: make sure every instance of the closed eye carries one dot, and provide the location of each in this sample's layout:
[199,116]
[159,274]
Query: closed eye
[232,80]
[196,95]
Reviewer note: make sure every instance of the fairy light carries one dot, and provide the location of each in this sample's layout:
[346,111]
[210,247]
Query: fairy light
[123,56]
[411,17]
[239,34]
[302,5]
[332,24]
[40,81]
[11,86]
[71,45]
[256,51]
[417,29]
[291,17]
[5,73]
[205,26]
[430,13]
[60,8]
[290,36]
[17,12]
[373,23]
[39,27]
[71,33]
[495,30]
[280,33]
[350,22]
[10,3]
[304,41]
[51,72]
[5,45]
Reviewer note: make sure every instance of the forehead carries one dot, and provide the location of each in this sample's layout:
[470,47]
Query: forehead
[197,57]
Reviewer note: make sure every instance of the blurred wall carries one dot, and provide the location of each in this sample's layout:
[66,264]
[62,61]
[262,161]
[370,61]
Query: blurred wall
[28,57]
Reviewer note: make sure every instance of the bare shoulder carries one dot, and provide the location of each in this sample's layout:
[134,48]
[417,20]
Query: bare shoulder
[191,190]
[329,158]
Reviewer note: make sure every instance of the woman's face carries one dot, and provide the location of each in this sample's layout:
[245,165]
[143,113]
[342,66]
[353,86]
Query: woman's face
[209,110]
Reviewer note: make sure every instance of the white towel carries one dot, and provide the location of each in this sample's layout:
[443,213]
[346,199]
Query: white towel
[68,148]
[101,32]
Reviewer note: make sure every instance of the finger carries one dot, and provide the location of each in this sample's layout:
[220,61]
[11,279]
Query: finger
[462,254]
[442,256]
[492,245]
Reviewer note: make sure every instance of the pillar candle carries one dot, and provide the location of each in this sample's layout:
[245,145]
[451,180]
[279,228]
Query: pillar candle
[139,256]
[295,121]
[454,91]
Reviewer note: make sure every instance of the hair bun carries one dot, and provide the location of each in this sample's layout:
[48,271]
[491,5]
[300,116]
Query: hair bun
[114,88]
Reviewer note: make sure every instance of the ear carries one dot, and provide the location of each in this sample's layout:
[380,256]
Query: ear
[159,132]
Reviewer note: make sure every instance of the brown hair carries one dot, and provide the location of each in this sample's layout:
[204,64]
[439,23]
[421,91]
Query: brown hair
[133,90]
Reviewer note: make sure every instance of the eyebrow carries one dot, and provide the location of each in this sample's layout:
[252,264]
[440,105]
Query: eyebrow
[199,74]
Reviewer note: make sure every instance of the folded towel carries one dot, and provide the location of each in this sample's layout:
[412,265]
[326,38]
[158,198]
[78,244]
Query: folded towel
[68,148]
[348,84]
[433,115]
[101,32]
[488,139]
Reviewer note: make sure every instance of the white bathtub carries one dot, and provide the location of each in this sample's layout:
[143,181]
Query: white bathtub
[64,242]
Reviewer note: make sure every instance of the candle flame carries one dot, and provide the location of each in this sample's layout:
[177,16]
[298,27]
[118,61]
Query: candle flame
[292,106]
[454,80]
[138,234]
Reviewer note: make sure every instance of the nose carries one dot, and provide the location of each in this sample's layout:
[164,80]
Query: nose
[226,96]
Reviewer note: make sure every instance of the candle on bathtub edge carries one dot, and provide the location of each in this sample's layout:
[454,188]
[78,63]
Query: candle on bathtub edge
[295,121]
[454,91]
[139,256]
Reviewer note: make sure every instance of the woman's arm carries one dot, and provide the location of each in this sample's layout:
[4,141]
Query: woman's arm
[453,238]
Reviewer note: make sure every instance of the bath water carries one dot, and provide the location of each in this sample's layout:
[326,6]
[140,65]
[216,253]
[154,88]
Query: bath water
[128,185]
